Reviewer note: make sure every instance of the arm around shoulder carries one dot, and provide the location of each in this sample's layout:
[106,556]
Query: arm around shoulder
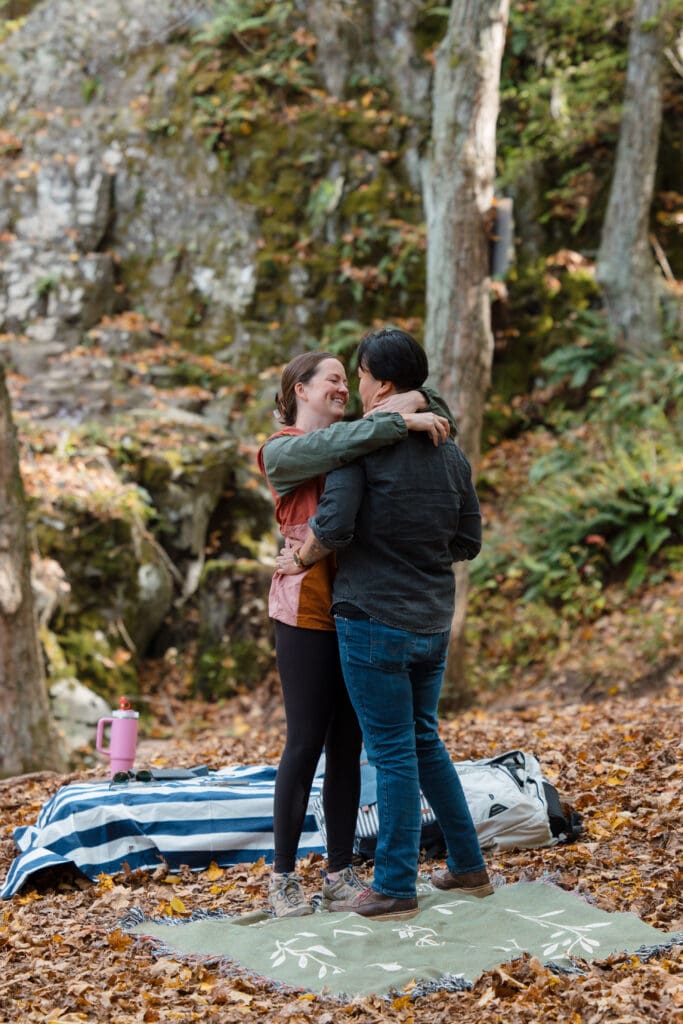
[291,459]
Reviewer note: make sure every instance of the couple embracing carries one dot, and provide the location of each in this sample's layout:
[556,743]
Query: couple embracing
[374,513]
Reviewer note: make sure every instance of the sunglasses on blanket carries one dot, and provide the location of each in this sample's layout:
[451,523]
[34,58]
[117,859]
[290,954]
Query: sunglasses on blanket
[144,775]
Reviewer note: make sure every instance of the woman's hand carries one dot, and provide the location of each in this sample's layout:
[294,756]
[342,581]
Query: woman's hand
[285,564]
[405,402]
[410,405]
[437,427]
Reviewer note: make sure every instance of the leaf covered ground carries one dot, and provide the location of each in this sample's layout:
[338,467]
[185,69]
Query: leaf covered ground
[617,761]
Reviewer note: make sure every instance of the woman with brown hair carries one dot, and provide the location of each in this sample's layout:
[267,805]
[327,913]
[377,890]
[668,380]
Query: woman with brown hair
[311,404]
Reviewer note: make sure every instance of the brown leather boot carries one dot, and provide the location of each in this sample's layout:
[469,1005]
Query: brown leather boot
[470,883]
[369,903]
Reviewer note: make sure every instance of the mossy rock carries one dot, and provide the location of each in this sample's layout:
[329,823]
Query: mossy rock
[121,586]
[234,649]
[102,662]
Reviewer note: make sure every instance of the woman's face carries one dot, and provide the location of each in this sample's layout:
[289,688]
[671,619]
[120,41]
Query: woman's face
[326,394]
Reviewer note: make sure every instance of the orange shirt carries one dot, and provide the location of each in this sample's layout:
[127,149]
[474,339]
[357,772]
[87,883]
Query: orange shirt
[303,600]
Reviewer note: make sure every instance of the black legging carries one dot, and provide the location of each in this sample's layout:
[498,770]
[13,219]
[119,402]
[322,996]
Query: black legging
[319,714]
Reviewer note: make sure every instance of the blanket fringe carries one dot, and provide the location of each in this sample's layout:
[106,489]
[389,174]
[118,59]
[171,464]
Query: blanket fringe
[446,983]
[643,953]
[647,952]
[136,916]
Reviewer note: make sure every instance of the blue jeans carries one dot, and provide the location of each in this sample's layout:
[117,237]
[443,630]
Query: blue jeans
[394,680]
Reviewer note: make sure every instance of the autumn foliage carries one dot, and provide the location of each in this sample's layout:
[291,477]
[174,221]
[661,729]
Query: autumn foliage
[65,957]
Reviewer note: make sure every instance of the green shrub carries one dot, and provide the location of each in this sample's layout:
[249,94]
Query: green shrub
[618,509]
[594,511]
[638,391]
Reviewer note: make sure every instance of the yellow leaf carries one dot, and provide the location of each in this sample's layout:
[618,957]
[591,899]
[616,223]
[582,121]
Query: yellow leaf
[118,941]
[30,897]
[213,872]
[619,820]
[177,905]
[401,1003]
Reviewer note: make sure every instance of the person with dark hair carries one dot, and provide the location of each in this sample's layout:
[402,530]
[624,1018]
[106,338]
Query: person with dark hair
[311,403]
[397,519]
[390,354]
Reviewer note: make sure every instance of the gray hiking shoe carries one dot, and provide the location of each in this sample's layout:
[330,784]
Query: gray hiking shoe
[345,888]
[286,897]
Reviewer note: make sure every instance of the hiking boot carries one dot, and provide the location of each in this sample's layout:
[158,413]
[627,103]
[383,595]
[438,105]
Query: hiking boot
[345,888]
[369,903]
[470,883]
[286,897]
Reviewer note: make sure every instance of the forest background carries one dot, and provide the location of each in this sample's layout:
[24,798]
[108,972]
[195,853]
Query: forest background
[192,193]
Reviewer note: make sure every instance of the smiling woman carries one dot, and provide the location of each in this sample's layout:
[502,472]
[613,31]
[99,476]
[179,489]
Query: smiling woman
[322,399]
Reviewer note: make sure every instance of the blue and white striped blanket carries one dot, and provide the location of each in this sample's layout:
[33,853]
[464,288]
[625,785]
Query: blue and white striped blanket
[225,816]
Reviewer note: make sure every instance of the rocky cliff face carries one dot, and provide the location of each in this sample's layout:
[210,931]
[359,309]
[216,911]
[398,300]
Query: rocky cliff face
[103,208]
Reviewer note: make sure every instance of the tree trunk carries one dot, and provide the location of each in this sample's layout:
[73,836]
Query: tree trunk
[458,181]
[626,269]
[28,739]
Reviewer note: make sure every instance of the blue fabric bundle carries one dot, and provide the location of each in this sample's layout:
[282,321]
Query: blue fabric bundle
[224,816]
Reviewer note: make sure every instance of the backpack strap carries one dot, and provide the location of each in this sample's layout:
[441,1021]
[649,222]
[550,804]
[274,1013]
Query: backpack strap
[564,827]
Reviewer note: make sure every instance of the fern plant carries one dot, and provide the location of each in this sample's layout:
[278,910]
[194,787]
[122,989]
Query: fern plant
[616,509]
[574,364]
[639,390]
[594,509]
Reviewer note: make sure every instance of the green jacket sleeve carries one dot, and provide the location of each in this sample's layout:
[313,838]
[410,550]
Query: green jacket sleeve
[437,405]
[293,458]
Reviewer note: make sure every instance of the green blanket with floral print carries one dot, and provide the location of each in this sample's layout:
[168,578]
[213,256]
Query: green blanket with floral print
[451,941]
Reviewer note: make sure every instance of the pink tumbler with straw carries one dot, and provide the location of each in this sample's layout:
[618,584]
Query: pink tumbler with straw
[123,737]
